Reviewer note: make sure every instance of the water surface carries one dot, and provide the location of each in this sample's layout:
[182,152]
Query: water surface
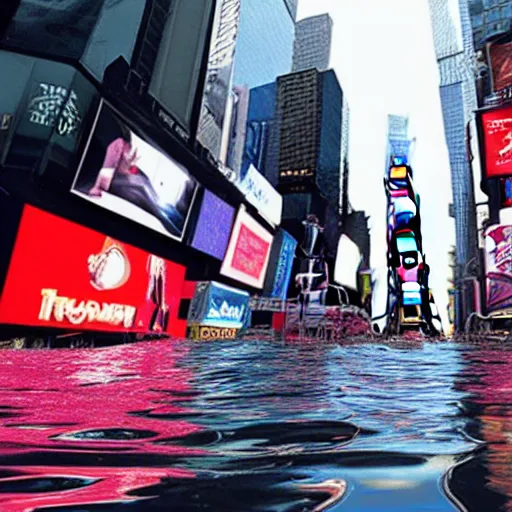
[257,426]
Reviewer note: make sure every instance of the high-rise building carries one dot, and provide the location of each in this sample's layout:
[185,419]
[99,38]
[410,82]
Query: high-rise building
[309,108]
[312,46]
[398,142]
[489,19]
[264,51]
[455,56]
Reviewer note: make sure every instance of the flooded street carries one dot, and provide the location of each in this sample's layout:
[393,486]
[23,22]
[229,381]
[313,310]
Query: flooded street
[257,426]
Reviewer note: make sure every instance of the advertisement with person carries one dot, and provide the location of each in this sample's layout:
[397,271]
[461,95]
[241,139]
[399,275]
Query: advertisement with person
[68,276]
[218,76]
[213,227]
[124,174]
[498,250]
[248,252]
[280,266]
[497,128]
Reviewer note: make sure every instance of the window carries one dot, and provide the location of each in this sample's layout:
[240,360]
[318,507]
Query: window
[175,78]
[114,35]
[53,27]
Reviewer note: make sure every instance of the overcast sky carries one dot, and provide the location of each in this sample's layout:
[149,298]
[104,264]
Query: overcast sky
[383,55]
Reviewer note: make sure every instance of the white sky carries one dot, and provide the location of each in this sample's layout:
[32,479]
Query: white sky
[383,55]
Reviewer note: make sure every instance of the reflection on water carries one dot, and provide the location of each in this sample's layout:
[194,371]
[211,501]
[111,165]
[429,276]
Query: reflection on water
[256,426]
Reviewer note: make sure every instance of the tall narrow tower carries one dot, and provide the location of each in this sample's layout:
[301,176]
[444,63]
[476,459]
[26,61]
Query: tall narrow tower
[453,42]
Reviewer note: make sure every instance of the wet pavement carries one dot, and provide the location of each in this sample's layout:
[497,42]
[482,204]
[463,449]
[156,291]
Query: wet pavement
[257,426]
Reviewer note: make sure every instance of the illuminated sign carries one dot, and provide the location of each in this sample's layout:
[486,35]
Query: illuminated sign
[398,173]
[73,276]
[54,307]
[497,127]
[262,195]
[218,305]
[248,252]
[53,105]
[498,248]
[280,266]
[267,304]
[205,333]
[213,226]
[124,174]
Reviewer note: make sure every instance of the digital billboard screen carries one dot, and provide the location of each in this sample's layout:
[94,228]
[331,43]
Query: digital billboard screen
[213,226]
[498,251]
[124,174]
[248,252]
[68,276]
[497,129]
[279,271]
[217,305]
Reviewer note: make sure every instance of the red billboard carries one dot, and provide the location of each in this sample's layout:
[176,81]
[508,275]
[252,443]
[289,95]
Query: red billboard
[497,129]
[68,276]
[248,252]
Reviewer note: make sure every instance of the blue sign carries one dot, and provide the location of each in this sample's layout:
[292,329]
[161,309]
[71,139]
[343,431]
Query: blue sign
[283,254]
[218,305]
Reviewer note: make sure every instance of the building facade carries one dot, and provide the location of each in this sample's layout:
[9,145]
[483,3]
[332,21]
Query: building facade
[312,46]
[454,49]
[309,108]
[489,19]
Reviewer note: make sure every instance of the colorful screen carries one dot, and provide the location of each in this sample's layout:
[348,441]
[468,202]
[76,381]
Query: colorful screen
[124,174]
[213,226]
[68,276]
[497,126]
[498,249]
[248,252]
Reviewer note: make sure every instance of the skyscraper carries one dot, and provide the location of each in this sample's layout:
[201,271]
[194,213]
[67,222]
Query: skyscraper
[312,46]
[489,19]
[264,51]
[455,55]
[309,108]
[398,142]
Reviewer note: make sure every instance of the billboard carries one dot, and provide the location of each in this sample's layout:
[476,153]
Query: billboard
[124,174]
[280,266]
[218,305]
[218,76]
[68,276]
[248,252]
[497,131]
[501,65]
[262,195]
[498,267]
[213,226]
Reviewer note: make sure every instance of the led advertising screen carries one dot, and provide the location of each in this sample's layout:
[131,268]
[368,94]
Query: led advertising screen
[217,305]
[498,251]
[248,252]
[280,266]
[501,65]
[213,226]
[497,128]
[124,174]
[68,276]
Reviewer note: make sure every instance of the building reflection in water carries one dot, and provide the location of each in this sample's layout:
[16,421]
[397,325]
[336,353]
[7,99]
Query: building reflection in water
[485,482]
